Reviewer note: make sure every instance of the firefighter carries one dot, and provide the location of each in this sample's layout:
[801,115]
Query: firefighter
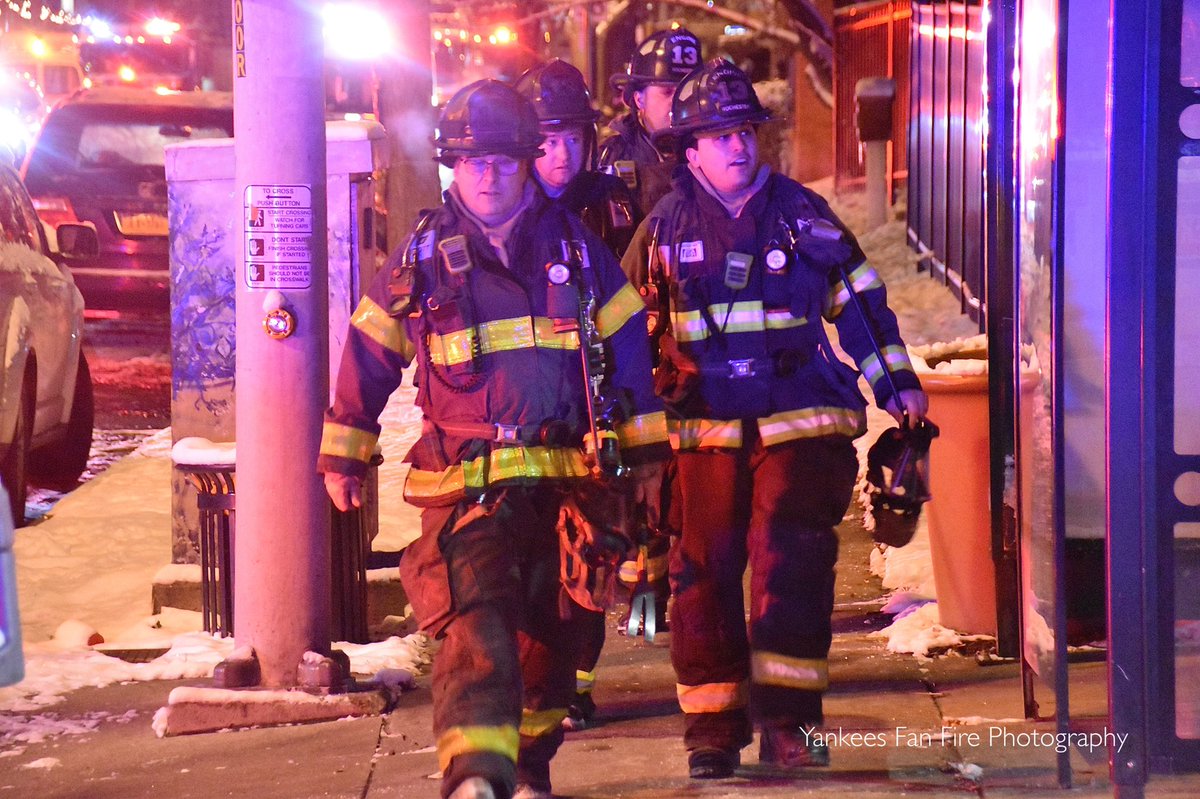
[648,84]
[567,173]
[506,412]
[765,414]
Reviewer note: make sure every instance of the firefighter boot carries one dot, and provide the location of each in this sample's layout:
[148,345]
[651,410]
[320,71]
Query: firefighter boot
[474,788]
[580,713]
[792,747]
[712,763]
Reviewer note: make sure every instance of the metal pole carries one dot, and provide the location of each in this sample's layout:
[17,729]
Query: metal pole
[283,543]
[875,157]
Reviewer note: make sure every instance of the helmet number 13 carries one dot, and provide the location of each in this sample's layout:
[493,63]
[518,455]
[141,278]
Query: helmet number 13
[682,54]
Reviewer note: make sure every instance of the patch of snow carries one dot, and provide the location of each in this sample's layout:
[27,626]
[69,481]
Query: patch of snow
[198,451]
[968,771]
[976,721]
[178,573]
[918,630]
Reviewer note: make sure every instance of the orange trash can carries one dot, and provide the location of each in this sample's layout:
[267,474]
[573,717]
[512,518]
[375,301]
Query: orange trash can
[959,514]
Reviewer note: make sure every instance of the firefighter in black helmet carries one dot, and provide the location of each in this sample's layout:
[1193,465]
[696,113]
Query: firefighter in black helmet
[567,172]
[500,458]
[647,85]
[765,415]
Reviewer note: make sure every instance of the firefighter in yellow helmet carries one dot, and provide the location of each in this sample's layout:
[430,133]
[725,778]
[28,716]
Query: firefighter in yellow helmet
[480,298]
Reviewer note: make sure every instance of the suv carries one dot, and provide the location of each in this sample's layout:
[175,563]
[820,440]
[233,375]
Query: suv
[45,386]
[99,159]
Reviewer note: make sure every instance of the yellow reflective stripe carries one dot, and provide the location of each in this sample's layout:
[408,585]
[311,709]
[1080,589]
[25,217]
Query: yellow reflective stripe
[712,697]
[896,357]
[781,320]
[655,567]
[451,348]
[500,739]
[810,423]
[620,308]
[648,428]
[628,571]
[536,723]
[344,441]
[377,324]
[499,335]
[585,681]
[742,317]
[426,485]
[770,668]
[504,463]
[695,433]
[546,337]
[688,326]
[863,278]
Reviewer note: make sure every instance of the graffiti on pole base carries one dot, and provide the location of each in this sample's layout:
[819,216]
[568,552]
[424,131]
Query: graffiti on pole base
[278,233]
[239,41]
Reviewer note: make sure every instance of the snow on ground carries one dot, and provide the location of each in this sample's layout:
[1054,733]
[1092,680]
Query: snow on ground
[92,560]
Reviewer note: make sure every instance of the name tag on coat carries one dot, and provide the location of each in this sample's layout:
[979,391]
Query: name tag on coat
[691,252]
[425,245]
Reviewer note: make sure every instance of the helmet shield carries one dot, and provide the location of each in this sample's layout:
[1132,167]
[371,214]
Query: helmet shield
[488,118]
[898,482]
[715,96]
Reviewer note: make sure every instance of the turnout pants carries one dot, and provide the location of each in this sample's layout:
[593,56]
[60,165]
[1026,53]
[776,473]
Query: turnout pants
[774,509]
[485,578]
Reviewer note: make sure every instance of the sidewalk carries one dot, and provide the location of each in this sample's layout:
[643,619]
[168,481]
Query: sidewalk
[945,727]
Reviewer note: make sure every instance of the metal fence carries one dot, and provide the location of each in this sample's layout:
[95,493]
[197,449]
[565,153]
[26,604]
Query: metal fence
[946,134]
[869,40]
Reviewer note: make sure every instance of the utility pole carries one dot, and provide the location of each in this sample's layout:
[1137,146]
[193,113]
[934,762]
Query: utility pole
[282,543]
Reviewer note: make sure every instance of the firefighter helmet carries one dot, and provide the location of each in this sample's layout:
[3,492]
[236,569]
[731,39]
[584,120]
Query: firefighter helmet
[716,96]
[663,57]
[559,94]
[898,481]
[488,117]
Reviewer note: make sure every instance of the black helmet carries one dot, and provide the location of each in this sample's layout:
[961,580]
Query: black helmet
[717,95]
[664,57]
[898,481]
[488,117]
[559,94]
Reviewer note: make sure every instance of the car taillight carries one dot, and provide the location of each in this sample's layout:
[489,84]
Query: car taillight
[54,210]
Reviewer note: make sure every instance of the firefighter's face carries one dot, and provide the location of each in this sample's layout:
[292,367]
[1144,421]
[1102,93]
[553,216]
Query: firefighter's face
[491,185]
[728,158]
[563,159]
[654,106]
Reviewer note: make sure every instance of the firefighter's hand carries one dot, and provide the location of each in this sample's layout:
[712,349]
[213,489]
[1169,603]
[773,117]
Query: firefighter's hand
[914,401]
[647,490]
[344,490]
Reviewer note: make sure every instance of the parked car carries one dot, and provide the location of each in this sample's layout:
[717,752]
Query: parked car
[46,407]
[99,158]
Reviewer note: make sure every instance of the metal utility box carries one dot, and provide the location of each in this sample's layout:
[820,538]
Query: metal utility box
[874,99]
[204,215]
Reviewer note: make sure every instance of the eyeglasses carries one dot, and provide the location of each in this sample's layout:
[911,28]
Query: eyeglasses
[504,165]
